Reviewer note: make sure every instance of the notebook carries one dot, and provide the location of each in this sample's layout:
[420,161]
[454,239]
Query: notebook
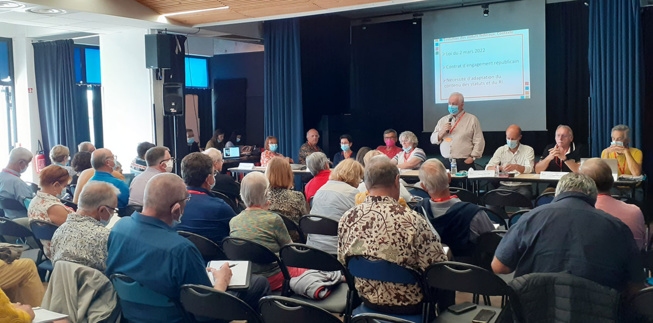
[240,270]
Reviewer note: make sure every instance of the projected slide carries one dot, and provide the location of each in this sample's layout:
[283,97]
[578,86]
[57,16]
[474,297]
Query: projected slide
[483,67]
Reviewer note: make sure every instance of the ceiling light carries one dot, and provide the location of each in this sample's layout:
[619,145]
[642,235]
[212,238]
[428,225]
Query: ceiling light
[10,5]
[486,10]
[193,11]
[47,11]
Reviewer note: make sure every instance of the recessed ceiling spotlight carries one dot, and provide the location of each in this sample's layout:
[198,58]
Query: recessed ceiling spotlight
[10,5]
[47,11]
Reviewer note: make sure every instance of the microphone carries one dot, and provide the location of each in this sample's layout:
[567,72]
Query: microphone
[450,119]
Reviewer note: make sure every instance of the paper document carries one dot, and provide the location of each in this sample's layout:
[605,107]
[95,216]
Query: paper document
[42,315]
[240,271]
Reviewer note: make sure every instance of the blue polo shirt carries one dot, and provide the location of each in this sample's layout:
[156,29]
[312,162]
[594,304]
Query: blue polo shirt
[206,215]
[123,197]
[570,235]
[152,253]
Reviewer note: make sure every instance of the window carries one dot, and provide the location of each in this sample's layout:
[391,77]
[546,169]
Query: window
[87,65]
[197,72]
[8,133]
[89,78]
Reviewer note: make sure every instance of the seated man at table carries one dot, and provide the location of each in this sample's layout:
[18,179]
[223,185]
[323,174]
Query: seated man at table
[570,235]
[310,146]
[628,158]
[564,155]
[223,183]
[629,214]
[514,157]
[390,139]
[381,228]
[458,223]
[146,248]
[205,214]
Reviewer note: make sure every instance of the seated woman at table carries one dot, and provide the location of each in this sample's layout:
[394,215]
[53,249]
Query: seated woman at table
[345,145]
[628,158]
[217,141]
[282,198]
[271,147]
[258,224]
[404,195]
[411,157]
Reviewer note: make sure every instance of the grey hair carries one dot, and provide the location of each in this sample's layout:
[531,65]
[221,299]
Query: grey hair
[316,162]
[571,132]
[380,172]
[458,94]
[96,194]
[624,128]
[434,176]
[574,182]
[59,153]
[215,154]
[253,188]
[84,146]
[20,153]
[409,136]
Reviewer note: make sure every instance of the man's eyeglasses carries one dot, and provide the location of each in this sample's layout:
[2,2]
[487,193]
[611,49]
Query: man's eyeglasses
[111,209]
[184,200]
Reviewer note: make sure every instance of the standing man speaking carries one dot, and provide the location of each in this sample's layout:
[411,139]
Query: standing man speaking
[459,134]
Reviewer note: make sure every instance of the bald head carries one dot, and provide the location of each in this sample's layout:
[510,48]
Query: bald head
[101,160]
[96,194]
[600,172]
[513,133]
[434,176]
[162,193]
[312,136]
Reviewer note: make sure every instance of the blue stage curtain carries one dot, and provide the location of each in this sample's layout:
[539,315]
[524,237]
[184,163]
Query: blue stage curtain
[63,121]
[283,86]
[615,53]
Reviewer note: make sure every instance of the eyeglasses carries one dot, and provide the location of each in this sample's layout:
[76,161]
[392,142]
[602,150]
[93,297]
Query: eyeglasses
[183,200]
[166,160]
[563,136]
[112,209]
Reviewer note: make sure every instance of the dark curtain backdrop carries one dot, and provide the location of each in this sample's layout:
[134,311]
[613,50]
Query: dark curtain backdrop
[204,112]
[59,114]
[283,85]
[81,125]
[615,53]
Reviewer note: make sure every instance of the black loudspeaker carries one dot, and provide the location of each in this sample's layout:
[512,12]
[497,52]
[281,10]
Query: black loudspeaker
[158,50]
[173,99]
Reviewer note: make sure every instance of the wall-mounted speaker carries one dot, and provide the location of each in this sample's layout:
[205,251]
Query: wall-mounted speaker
[173,99]
[158,50]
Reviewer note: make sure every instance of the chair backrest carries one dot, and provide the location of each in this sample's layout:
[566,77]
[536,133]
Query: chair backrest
[544,198]
[416,190]
[209,249]
[292,226]
[318,224]
[227,200]
[11,204]
[486,246]
[11,228]
[132,291]
[279,309]
[503,198]
[464,195]
[462,277]
[376,318]
[42,230]
[206,302]
[516,216]
[496,214]
[641,304]
[69,204]
[242,249]
[381,270]
[130,209]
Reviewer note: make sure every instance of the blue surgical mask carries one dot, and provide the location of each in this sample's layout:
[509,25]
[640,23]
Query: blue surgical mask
[618,143]
[213,185]
[191,140]
[453,109]
[273,147]
[344,147]
[408,149]
[512,144]
[175,223]
[104,222]
[237,139]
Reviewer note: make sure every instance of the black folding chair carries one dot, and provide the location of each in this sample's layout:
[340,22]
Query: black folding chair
[544,198]
[318,224]
[129,290]
[376,318]
[130,209]
[69,204]
[513,218]
[11,204]
[464,195]
[279,309]
[208,249]
[641,304]
[486,246]
[228,200]
[12,229]
[342,297]
[204,302]
[495,215]
[43,231]
[292,226]
[242,249]
[499,199]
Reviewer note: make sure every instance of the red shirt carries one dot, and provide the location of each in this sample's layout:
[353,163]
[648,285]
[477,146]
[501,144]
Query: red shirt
[314,184]
[390,153]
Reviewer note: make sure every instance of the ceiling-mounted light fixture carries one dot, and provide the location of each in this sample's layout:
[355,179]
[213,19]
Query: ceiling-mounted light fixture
[47,11]
[486,10]
[193,11]
[10,5]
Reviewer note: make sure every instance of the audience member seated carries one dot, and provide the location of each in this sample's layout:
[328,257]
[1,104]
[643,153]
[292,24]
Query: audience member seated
[193,145]
[564,155]
[46,206]
[283,200]
[60,155]
[458,223]
[360,155]
[217,141]
[318,164]
[158,161]
[81,162]
[514,157]
[570,235]
[138,165]
[411,157]
[86,146]
[223,183]
[390,148]
[629,214]
[104,163]
[404,195]
[345,145]
[310,146]
[82,239]
[20,280]
[14,312]
[335,198]
[146,248]
[235,139]
[256,223]
[271,147]
[381,228]
[12,187]
[629,158]
[86,175]
[204,214]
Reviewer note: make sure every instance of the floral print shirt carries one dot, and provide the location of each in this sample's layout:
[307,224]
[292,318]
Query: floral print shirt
[82,240]
[288,203]
[305,150]
[38,210]
[382,228]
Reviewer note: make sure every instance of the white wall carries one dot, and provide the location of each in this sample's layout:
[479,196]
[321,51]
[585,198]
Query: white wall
[126,94]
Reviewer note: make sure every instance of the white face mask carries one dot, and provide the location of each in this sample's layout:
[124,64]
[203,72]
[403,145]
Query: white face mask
[169,165]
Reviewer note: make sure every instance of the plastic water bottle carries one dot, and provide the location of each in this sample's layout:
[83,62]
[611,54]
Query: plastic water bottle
[454,167]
